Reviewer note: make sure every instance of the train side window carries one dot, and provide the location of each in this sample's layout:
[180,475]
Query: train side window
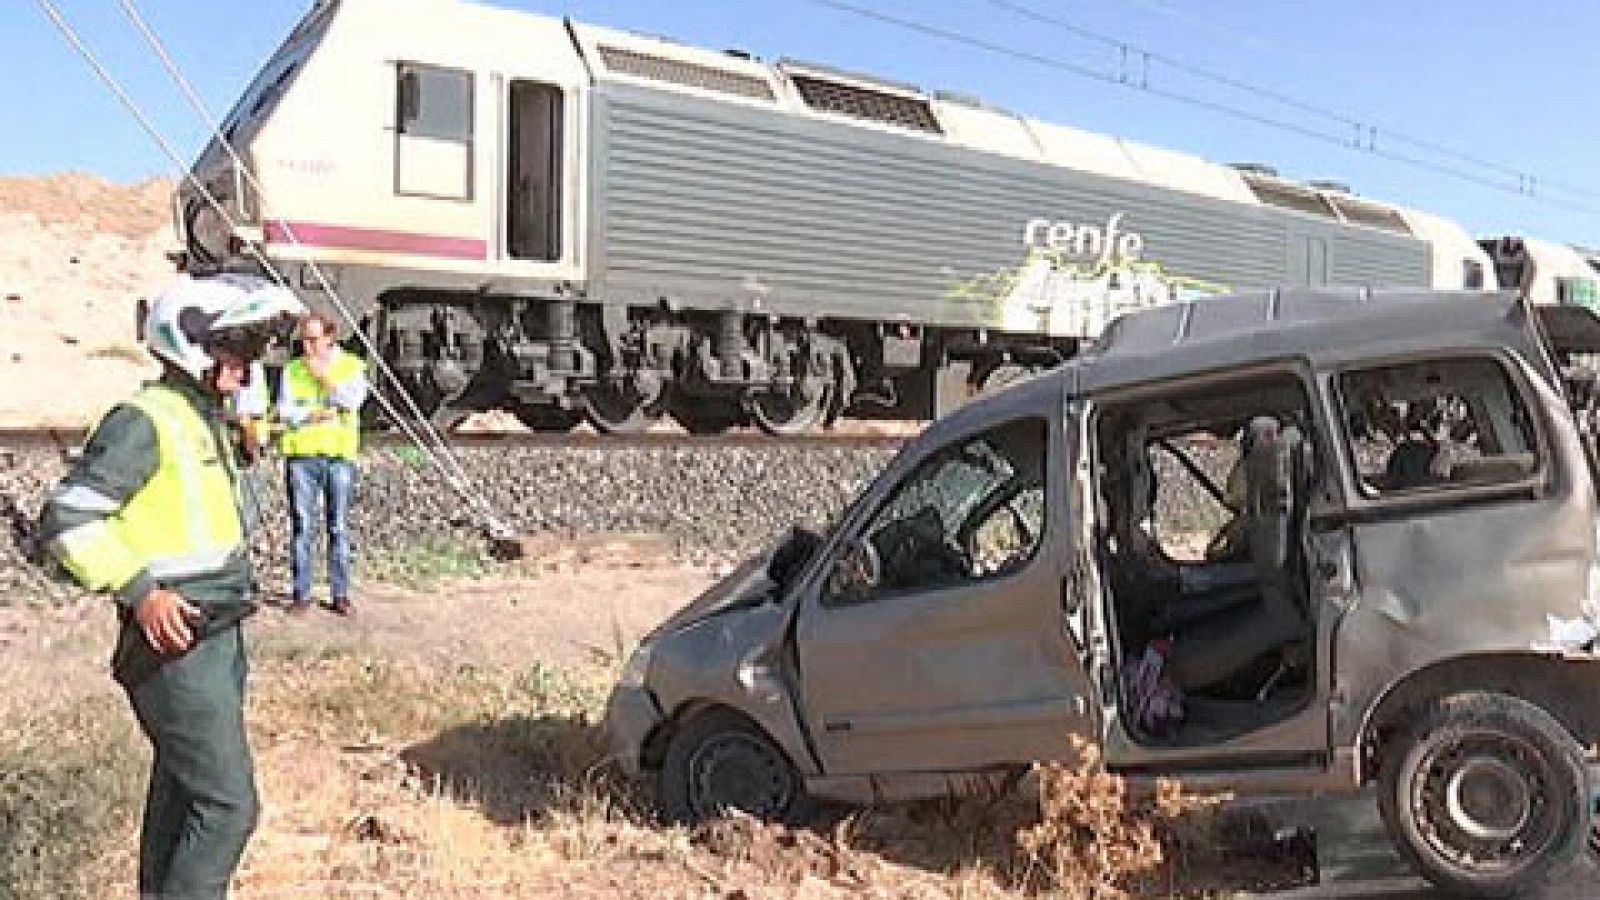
[1471,275]
[433,132]
[533,183]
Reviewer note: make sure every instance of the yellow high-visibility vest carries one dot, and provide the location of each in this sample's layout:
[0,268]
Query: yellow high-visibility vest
[339,437]
[184,521]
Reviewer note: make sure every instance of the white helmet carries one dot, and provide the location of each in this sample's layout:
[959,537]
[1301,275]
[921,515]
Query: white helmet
[192,313]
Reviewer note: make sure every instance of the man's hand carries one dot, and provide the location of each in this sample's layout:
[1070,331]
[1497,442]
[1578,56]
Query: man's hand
[164,617]
[318,364]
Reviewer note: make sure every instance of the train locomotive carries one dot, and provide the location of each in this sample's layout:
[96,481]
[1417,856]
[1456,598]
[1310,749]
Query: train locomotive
[574,222]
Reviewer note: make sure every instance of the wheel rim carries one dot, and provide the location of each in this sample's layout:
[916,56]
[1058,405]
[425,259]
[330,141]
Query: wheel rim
[1487,800]
[793,411]
[1480,802]
[739,771]
[616,409]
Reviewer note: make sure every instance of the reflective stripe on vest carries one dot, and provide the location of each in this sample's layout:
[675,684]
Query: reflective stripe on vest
[339,437]
[184,521]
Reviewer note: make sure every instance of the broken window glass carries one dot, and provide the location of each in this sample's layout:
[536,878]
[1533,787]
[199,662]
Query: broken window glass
[974,511]
[1436,424]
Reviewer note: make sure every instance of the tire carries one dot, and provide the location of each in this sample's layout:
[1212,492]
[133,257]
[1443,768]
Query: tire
[1486,795]
[720,760]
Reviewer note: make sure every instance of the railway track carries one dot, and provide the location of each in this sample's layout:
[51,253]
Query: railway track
[69,438]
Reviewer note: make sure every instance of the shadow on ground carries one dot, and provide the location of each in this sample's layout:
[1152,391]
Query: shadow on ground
[517,769]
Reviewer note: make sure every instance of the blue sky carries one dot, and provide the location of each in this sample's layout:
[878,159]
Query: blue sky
[1513,84]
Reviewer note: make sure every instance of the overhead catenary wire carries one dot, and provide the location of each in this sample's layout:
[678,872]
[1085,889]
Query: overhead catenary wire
[436,442]
[1531,183]
[455,479]
[1361,130]
[1349,136]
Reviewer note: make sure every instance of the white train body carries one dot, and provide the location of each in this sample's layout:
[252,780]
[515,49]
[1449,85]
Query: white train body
[555,217]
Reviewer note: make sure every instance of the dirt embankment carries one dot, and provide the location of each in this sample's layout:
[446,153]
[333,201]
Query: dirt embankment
[76,253]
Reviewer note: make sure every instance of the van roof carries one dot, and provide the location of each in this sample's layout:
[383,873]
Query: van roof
[1320,325]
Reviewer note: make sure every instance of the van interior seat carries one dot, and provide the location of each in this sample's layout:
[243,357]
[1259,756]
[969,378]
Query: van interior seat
[1212,650]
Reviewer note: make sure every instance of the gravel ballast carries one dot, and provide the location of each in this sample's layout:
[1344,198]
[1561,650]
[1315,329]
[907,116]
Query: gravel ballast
[714,503]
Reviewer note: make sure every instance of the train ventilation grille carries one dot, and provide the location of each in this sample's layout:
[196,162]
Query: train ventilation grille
[1288,195]
[1372,215]
[865,103]
[687,74]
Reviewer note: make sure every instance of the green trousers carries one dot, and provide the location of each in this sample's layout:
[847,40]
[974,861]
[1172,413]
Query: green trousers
[202,805]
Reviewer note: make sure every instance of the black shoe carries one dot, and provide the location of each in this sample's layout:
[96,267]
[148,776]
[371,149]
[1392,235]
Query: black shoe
[341,606]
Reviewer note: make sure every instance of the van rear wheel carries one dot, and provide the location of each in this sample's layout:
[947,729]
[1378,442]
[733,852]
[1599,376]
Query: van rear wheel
[720,761]
[1486,795]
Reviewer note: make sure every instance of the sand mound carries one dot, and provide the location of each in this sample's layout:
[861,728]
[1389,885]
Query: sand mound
[76,253]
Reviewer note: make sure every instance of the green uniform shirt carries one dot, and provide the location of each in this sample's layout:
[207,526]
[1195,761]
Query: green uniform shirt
[119,458]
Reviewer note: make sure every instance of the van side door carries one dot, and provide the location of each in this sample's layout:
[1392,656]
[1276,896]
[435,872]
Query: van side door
[937,641]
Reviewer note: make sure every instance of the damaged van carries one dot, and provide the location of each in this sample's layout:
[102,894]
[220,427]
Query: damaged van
[1277,542]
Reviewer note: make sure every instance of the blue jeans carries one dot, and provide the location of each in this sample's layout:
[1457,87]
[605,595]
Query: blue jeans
[320,481]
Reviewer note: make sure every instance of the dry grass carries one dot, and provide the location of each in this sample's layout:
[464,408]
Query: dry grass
[386,779]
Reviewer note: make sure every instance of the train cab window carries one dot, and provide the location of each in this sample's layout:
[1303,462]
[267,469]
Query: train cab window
[433,130]
[1471,275]
[533,183]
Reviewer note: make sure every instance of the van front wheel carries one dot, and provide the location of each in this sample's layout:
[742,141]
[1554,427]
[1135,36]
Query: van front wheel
[721,761]
[1485,794]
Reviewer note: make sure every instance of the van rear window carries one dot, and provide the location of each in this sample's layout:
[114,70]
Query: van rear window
[1438,424]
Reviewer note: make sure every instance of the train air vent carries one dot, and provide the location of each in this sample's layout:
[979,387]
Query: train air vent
[1288,195]
[687,74]
[1372,215]
[866,103]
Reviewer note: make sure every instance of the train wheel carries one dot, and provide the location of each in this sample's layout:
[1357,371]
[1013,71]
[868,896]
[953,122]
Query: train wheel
[619,409]
[791,412]
[547,417]
[701,416]
[443,413]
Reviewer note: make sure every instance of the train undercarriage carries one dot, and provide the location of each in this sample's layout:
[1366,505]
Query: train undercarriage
[557,361]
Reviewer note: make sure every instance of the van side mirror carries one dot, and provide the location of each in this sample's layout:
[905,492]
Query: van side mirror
[856,573]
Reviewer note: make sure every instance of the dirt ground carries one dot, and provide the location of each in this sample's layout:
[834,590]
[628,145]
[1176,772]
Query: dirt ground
[408,750]
[578,617]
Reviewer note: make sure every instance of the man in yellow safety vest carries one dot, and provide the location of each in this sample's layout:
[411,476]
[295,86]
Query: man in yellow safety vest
[319,406]
[150,512]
